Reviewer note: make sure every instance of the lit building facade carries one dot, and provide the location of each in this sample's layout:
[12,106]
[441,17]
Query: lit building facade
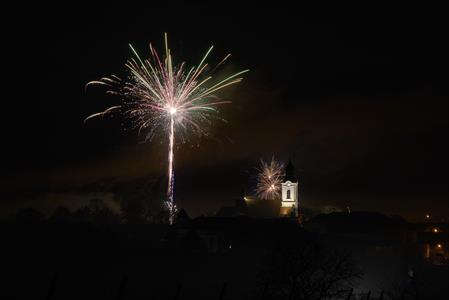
[290,195]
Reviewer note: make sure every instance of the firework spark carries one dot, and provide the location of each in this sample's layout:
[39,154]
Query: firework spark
[269,179]
[160,97]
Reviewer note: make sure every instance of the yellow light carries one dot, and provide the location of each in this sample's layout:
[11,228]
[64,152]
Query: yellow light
[435,230]
[427,216]
[439,246]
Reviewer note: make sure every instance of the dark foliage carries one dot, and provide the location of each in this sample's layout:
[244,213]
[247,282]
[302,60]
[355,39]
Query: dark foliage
[29,215]
[301,269]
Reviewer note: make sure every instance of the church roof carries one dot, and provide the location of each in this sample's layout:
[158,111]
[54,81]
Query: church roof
[290,173]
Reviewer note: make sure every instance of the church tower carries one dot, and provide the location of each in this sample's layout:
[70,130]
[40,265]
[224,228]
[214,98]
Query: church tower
[290,203]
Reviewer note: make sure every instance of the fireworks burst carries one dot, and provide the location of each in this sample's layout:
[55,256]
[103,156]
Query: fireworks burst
[159,96]
[269,179]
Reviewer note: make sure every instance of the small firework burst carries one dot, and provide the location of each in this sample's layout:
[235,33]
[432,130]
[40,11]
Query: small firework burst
[269,179]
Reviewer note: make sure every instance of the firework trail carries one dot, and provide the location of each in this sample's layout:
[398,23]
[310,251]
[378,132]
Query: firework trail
[160,97]
[269,179]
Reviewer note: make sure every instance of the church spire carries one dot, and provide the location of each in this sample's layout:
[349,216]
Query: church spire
[290,172]
[290,202]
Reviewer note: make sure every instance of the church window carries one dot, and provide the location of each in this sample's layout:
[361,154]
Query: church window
[288,194]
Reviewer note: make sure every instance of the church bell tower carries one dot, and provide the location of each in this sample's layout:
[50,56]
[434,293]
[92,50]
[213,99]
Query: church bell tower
[290,203]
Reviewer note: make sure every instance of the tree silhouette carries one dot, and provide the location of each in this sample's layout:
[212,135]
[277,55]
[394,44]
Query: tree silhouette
[307,270]
[100,213]
[29,215]
[82,215]
[61,215]
[141,200]
[132,209]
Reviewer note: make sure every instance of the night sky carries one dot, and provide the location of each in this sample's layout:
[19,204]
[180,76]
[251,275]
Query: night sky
[355,96]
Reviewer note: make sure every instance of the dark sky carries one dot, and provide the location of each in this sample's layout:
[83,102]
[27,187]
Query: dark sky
[356,96]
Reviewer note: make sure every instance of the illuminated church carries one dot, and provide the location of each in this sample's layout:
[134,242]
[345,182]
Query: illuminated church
[289,202]
[287,205]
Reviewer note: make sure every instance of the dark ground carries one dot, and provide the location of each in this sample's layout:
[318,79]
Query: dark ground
[72,261]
